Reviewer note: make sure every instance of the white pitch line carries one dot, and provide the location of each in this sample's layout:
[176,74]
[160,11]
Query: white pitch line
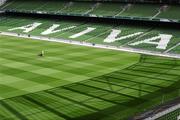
[125,49]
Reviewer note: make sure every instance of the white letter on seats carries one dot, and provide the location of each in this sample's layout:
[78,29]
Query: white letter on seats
[27,28]
[52,29]
[162,44]
[89,29]
[112,37]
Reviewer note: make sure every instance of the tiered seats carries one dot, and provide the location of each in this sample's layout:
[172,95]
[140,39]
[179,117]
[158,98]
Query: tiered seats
[34,5]
[172,12]
[108,9]
[77,7]
[141,10]
[98,9]
[125,37]
[171,116]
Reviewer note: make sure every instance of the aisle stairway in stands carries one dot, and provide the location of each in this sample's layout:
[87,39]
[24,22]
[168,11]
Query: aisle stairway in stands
[119,10]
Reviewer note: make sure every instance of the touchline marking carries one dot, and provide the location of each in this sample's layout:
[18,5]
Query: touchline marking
[126,49]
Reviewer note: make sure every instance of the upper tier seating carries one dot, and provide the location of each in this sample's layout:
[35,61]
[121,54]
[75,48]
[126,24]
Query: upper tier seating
[157,12]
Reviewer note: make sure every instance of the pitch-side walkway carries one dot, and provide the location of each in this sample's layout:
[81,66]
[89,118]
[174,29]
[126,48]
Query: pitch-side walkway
[120,48]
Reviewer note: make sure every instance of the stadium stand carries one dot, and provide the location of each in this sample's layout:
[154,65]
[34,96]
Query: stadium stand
[167,111]
[171,116]
[100,33]
[97,9]
[170,12]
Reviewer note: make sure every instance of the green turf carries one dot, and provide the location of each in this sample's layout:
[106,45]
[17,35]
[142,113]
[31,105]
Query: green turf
[75,82]
[22,71]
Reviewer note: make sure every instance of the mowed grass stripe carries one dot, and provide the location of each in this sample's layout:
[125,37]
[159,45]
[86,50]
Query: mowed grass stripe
[8,91]
[33,109]
[63,64]
[20,116]
[79,57]
[46,107]
[100,100]
[69,65]
[100,62]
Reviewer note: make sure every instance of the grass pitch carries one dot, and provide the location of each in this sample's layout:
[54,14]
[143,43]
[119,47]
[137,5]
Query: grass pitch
[23,71]
[80,83]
